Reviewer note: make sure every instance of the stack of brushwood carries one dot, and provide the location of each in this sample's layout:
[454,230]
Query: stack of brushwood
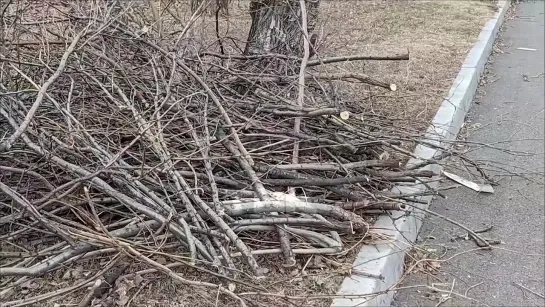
[113,144]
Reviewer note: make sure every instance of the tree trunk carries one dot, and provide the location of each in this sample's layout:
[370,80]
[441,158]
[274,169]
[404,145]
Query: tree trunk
[212,6]
[276,26]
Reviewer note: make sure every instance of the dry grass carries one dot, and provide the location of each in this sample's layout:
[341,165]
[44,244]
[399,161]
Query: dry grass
[438,35]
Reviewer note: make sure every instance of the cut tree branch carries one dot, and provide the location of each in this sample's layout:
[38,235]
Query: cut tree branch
[348,58]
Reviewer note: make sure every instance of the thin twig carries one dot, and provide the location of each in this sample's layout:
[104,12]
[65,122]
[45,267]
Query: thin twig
[529,290]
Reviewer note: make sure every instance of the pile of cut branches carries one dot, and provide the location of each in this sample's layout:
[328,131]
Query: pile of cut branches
[113,143]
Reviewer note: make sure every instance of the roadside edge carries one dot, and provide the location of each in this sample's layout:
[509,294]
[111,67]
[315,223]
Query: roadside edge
[386,259]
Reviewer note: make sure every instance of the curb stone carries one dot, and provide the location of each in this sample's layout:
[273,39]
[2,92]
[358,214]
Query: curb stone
[386,259]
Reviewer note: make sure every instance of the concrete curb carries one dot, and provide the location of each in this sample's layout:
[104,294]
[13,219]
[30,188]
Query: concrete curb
[386,259]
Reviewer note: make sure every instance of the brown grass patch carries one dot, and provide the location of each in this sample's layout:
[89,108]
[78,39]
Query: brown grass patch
[438,34]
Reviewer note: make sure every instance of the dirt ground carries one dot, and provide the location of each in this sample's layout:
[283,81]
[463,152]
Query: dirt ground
[438,35]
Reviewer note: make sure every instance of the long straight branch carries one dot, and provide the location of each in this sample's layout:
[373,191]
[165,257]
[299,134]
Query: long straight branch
[289,259]
[348,58]
[336,167]
[257,207]
[373,176]
[301,83]
[339,190]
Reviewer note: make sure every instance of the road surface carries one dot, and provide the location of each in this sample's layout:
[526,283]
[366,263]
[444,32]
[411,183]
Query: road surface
[510,108]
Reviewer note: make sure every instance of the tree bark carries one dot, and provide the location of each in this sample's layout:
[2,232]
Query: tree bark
[212,6]
[276,26]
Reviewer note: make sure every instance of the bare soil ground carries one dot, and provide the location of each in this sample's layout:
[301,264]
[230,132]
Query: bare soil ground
[438,35]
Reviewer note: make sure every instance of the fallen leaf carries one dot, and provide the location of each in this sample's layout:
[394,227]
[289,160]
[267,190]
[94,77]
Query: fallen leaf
[319,281]
[318,263]
[122,289]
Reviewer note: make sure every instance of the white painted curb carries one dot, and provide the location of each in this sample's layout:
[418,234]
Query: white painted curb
[386,259]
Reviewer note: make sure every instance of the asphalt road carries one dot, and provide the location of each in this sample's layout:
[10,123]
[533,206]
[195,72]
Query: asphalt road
[510,111]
